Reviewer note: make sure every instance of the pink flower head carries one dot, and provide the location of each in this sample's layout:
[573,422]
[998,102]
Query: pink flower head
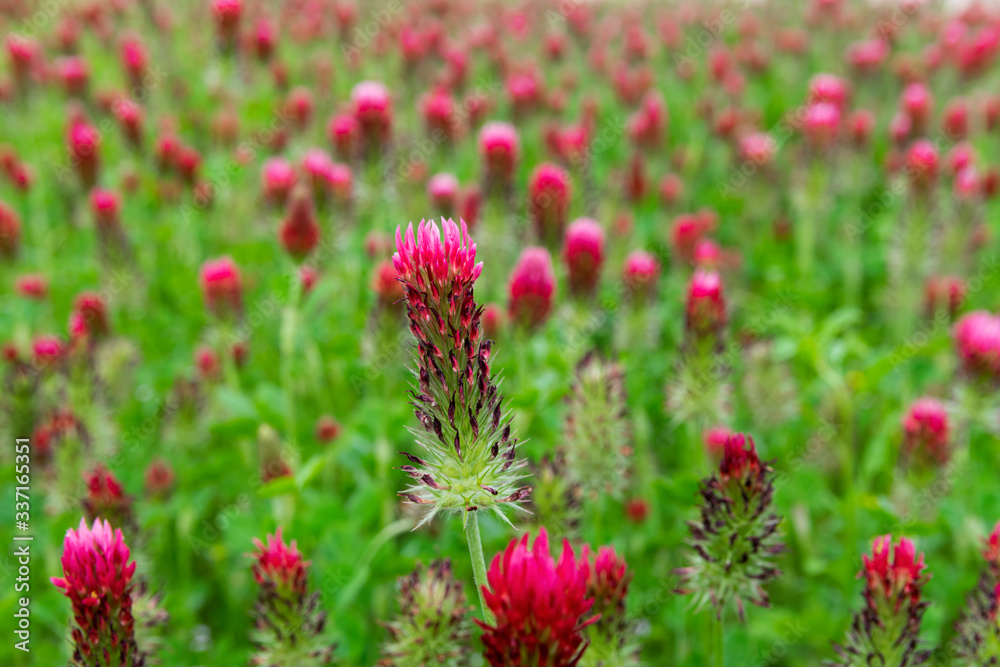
[860,124]
[706,307]
[715,441]
[685,232]
[992,552]
[961,156]
[956,119]
[134,58]
[868,56]
[222,285]
[32,286]
[539,604]
[739,457]
[443,190]
[757,147]
[343,132]
[74,74]
[925,429]
[531,287]
[549,192]
[966,185]
[10,231]
[105,494]
[95,565]
[917,103]
[607,583]
[821,123]
[583,252]
[299,233]
[227,18]
[94,313]
[264,38]
[671,187]
[278,178]
[106,206]
[523,91]
[922,164]
[640,273]
[707,254]
[97,578]
[299,106]
[977,337]
[372,107]
[500,148]
[280,565]
[438,109]
[887,578]
[830,89]
[435,261]
[47,350]
[84,141]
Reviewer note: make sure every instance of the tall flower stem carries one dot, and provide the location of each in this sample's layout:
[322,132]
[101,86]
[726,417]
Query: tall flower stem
[289,319]
[478,563]
[718,641]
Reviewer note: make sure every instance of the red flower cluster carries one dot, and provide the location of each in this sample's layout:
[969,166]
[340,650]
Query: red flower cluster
[539,605]
[531,287]
[583,252]
[97,578]
[280,565]
[925,430]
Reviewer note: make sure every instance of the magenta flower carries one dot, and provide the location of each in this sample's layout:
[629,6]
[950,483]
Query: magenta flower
[500,148]
[469,462]
[299,233]
[706,308]
[443,191]
[977,337]
[97,578]
[917,103]
[926,430]
[583,252]
[549,193]
[887,630]
[531,287]
[222,286]
[280,565]
[372,107]
[828,88]
[640,273]
[277,179]
[10,231]
[291,625]
[736,538]
[84,140]
[922,165]
[821,124]
[540,606]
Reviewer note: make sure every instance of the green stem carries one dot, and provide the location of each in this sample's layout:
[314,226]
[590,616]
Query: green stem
[718,642]
[478,563]
[288,321]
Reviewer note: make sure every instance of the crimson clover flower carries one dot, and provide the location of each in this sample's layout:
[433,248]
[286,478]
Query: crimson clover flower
[736,538]
[97,578]
[540,606]
[468,459]
[887,629]
[291,624]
